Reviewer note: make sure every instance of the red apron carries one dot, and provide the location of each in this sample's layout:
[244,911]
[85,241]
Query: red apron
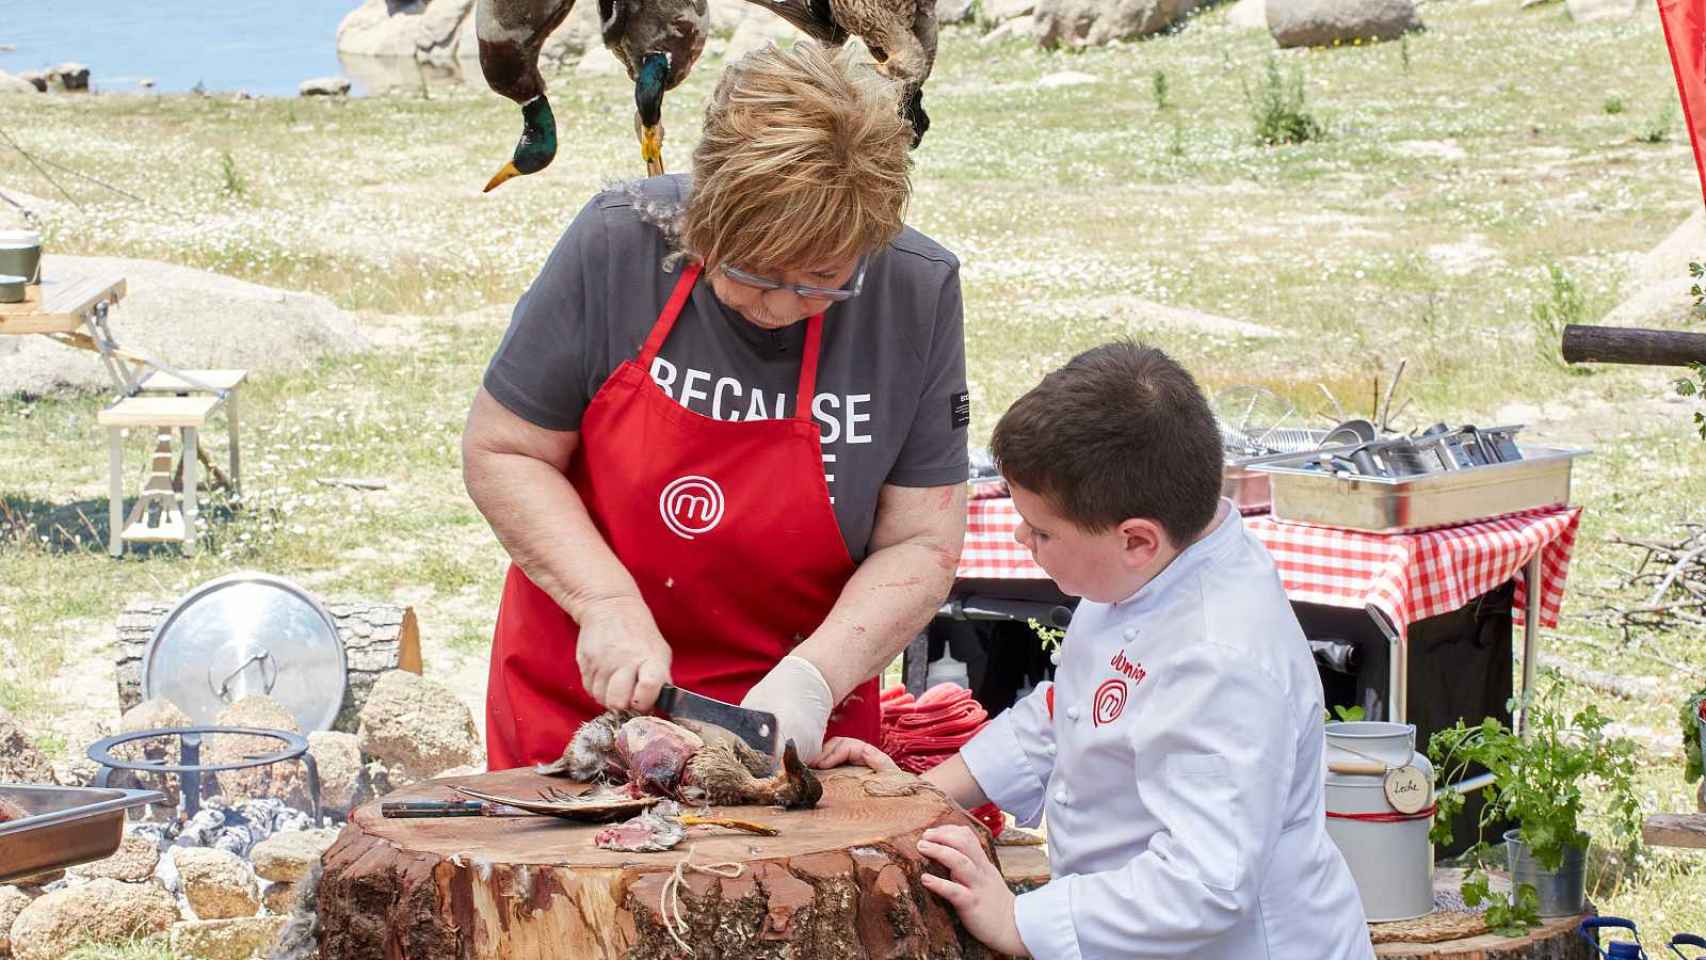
[726,526]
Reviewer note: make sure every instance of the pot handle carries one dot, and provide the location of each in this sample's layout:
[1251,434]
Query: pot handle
[1590,928]
[1354,767]
[1687,940]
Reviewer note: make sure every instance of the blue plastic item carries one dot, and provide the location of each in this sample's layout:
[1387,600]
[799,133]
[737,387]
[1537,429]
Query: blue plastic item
[1619,949]
[1687,940]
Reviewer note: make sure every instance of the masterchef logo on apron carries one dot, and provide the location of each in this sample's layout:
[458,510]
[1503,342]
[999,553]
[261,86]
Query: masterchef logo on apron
[691,505]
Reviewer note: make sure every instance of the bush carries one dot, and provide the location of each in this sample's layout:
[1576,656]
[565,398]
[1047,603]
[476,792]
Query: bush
[1279,111]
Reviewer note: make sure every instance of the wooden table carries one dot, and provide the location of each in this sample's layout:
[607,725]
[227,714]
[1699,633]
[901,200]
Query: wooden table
[1676,830]
[73,310]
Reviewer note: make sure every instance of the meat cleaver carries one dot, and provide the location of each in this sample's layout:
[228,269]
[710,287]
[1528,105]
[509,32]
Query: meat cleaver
[756,727]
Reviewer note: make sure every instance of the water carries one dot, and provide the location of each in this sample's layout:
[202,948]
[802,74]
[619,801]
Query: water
[264,48]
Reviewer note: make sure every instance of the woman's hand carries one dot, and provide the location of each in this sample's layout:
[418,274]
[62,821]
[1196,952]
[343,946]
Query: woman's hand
[975,888]
[623,659]
[841,751]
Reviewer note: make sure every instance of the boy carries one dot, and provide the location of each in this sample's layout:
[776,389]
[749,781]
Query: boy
[1178,752]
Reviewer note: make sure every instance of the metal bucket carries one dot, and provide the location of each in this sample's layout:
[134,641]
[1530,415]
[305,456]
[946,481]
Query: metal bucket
[1563,893]
[20,254]
[12,289]
[1392,864]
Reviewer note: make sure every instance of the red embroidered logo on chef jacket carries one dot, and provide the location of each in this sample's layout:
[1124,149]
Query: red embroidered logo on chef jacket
[691,505]
[1133,670]
[1110,701]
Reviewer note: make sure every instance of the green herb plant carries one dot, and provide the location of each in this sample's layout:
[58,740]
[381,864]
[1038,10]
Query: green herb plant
[1692,719]
[1540,780]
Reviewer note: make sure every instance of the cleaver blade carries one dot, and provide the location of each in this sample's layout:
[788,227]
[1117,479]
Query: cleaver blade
[756,727]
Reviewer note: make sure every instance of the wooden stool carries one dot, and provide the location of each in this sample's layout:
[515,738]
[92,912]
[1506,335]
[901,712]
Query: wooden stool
[190,382]
[177,514]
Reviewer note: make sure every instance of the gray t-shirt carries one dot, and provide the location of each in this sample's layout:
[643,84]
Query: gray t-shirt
[891,396]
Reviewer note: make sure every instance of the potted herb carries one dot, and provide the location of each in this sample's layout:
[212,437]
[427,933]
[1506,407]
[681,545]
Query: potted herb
[1540,780]
[1693,720]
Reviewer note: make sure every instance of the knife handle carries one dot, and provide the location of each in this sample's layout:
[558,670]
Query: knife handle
[410,809]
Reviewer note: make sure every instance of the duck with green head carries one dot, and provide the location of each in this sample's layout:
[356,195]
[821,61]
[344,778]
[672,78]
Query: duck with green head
[658,41]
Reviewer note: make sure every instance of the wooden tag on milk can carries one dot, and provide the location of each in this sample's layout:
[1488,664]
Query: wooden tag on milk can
[1408,789]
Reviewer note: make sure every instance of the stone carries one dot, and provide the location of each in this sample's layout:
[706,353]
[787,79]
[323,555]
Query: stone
[77,771]
[343,779]
[36,78]
[13,900]
[417,726]
[71,77]
[324,87]
[996,12]
[573,38]
[756,33]
[134,862]
[198,318]
[20,761]
[726,15]
[1587,11]
[36,881]
[217,884]
[955,11]
[155,714]
[237,938]
[1020,28]
[1096,23]
[599,62]
[287,781]
[1325,23]
[10,83]
[1248,15]
[101,911]
[278,897]
[388,28]
[286,857]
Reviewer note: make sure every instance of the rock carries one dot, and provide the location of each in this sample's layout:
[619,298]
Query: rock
[573,38]
[285,857]
[217,884]
[1065,78]
[726,15]
[20,761]
[1323,23]
[287,781]
[954,11]
[155,714]
[13,900]
[599,62]
[71,77]
[278,897]
[198,318]
[238,938]
[78,771]
[756,33]
[1587,11]
[323,87]
[146,83]
[1096,23]
[35,78]
[343,780]
[394,28]
[134,862]
[99,912]
[417,726]
[36,881]
[15,84]
[1021,28]
[1248,15]
[993,13]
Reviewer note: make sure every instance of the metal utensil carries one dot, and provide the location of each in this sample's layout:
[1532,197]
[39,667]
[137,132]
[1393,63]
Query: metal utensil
[756,727]
[65,826]
[568,806]
[417,809]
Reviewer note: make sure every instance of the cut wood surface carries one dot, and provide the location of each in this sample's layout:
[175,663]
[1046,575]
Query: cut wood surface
[58,304]
[841,880]
[1676,830]
[377,637]
[1554,939]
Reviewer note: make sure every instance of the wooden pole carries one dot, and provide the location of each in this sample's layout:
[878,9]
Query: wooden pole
[1661,348]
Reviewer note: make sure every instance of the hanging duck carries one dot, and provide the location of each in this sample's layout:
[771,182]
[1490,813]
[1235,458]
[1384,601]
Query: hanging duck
[901,35]
[658,41]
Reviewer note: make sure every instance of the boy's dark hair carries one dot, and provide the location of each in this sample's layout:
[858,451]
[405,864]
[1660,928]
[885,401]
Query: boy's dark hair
[1121,431]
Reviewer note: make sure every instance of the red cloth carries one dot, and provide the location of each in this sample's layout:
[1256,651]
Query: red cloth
[920,732]
[1685,35]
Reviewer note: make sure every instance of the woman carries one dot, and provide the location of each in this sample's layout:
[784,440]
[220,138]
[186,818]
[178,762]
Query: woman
[723,439]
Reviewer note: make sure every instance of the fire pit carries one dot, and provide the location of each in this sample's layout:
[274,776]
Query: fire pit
[189,770]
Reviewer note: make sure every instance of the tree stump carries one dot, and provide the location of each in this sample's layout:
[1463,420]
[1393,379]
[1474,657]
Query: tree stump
[840,881]
[377,637]
[1554,939]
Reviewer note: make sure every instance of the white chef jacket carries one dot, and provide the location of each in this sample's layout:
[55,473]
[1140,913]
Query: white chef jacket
[1178,757]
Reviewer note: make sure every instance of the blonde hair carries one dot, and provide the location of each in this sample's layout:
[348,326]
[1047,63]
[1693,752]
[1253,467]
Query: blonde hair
[805,159]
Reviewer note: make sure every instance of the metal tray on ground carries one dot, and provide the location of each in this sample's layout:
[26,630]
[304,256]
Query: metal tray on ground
[1409,504]
[65,826]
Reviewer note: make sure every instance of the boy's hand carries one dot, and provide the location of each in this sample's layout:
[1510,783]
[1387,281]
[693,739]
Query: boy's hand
[840,751]
[976,889]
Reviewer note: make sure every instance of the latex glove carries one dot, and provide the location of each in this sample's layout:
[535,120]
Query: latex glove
[623,659]
[796,692]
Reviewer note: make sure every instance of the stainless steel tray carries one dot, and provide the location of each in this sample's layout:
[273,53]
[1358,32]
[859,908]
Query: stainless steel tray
[1248,490]
[1409,504]
[66,826]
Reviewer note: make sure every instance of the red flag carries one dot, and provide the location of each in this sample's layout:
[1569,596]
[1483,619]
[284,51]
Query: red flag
[1685,34]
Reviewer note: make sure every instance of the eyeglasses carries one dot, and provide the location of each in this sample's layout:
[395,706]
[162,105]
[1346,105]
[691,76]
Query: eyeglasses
[803,291]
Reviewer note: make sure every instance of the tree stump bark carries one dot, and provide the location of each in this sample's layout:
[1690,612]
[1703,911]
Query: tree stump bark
[377,637]
[840,881]
[1554,939]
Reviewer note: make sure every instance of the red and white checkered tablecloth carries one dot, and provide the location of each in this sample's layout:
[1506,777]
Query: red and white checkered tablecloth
[1409,577]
